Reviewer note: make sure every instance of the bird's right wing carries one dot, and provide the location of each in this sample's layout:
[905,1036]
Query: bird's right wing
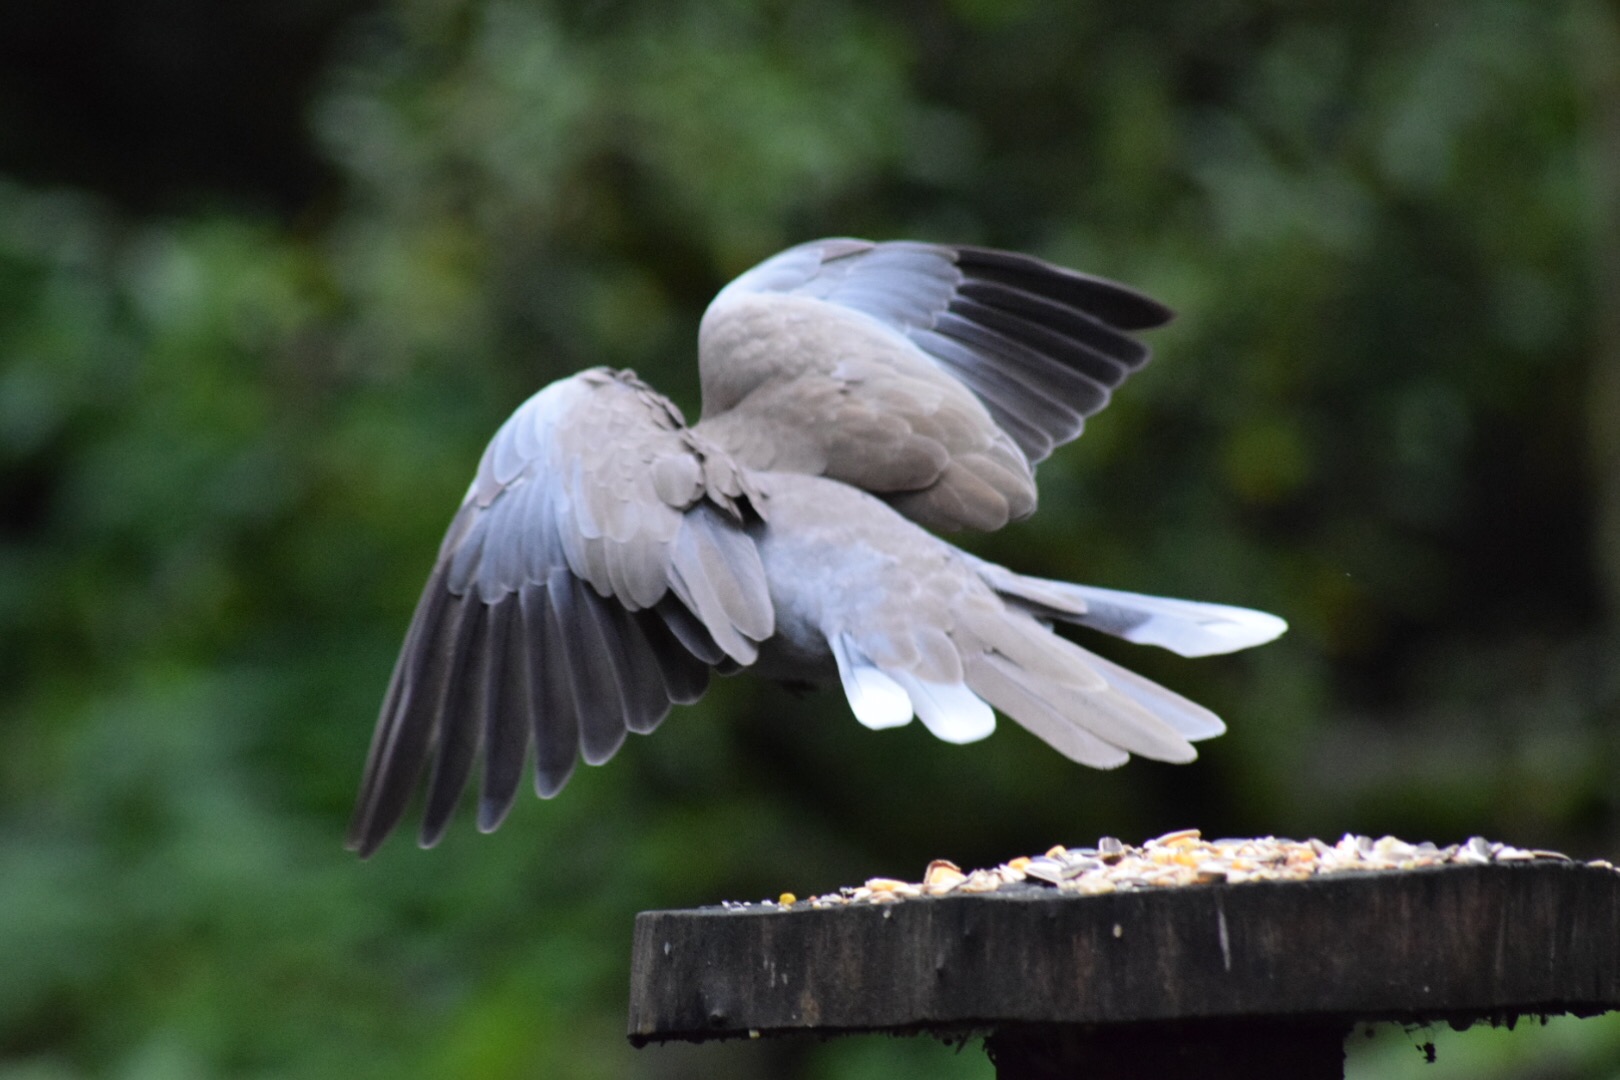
[598,567]
[935,377]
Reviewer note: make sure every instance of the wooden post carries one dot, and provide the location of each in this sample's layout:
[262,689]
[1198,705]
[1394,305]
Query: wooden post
[1205,980]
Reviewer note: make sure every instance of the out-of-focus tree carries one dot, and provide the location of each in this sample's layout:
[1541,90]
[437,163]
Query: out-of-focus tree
[238,403]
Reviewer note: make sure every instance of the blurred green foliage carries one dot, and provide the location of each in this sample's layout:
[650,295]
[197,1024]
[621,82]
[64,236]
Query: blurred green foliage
[238,407]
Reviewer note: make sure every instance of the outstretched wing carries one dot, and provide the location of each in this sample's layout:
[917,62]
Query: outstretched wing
[595,571]
[933,376]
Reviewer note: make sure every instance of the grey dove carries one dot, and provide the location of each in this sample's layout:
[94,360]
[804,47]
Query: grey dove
[608,557]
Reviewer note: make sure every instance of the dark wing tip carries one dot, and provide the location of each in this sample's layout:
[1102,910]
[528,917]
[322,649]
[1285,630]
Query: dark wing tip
[1118,305]
[366,834]
[408,719]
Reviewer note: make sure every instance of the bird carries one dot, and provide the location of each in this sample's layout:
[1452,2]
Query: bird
[859,399]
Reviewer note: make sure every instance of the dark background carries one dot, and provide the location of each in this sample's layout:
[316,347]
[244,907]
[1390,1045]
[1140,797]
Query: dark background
[271,273]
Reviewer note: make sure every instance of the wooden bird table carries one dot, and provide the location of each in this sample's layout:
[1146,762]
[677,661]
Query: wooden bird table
[1207,980]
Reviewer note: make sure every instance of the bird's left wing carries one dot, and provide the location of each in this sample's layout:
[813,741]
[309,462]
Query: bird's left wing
[598,567]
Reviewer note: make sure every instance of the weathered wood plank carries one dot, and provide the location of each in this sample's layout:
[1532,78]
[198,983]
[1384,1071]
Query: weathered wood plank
[1458,942]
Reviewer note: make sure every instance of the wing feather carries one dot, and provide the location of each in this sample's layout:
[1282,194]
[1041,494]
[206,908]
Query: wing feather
[459,727]
[715,571]
[973,323]
[1019,313]
[689,631]
[1035,420]
[588,654]
[557,717]
[641,677]
[683,670]
[508,710]
[1118,305]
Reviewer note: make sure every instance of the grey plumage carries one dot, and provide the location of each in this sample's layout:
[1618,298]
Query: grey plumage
[912,624]
[964,366]
[607,557]
[596,569]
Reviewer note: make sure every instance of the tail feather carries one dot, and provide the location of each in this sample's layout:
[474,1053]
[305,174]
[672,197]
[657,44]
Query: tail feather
[1190,719]
[1007,691]
[951,711]
[1118,719]
[877,701]
[1185,627]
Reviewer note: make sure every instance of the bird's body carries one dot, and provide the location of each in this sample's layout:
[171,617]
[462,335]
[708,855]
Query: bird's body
[607,556]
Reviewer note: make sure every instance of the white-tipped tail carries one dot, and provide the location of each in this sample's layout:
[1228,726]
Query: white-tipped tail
[876,700]
[1186,627]
[952,712]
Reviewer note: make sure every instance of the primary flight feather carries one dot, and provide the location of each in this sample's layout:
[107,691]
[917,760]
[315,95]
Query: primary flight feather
[608,556]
